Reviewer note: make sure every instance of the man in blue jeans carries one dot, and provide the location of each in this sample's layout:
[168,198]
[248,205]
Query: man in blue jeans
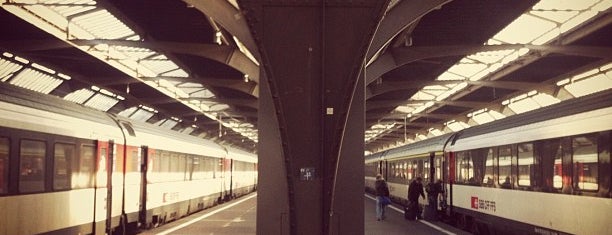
[382,190]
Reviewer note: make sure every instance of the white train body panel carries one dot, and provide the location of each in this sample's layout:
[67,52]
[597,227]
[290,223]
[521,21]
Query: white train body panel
[51,211]
[561,212]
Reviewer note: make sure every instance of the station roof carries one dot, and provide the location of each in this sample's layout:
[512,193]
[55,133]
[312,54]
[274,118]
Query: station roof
[192,66]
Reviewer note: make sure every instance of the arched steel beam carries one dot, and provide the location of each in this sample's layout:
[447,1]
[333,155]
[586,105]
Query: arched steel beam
[231,56]
[397,19]
[230,18]
[252,103]
[404,55]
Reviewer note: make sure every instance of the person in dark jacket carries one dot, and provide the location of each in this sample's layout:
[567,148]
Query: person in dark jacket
[415,189]
[433,190]
[382,190]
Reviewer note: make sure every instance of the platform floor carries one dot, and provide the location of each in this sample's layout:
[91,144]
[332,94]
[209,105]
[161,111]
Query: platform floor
[239,218]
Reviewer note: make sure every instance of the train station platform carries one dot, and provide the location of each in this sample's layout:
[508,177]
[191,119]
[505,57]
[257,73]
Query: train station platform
[239,218]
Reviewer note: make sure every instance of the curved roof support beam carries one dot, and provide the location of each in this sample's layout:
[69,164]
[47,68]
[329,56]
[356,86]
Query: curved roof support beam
[399,18]
[252,103]
[230,18]
[224,54]
[239,85]
[371,105]
[405,55]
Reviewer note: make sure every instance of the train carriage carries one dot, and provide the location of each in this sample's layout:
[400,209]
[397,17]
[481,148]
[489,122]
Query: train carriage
[542,172]
[67,169]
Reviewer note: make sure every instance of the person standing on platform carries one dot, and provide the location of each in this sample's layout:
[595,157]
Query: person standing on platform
[382,193]
[415,189]
[433,190]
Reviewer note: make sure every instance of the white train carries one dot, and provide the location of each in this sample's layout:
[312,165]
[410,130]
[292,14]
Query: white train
[67,169]
[540,172]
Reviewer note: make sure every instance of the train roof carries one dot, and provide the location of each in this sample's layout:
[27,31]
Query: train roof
[586,114]
[593,101]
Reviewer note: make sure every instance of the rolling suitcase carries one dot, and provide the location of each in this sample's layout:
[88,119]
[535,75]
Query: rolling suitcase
[410,211]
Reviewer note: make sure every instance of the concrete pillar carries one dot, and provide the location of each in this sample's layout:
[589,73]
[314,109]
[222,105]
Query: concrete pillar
[311,113]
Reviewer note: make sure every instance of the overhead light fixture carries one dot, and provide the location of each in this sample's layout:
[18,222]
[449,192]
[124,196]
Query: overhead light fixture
[246,78]
[218,37]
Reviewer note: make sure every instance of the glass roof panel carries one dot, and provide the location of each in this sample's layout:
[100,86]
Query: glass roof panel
[557,16]
[103,25]
[79,96]
[36,81]
[101,102]
[545,99]
[466,70]
[564,4]
[8,69]
[589,85]
[167,123]
[523,105]
[524,29]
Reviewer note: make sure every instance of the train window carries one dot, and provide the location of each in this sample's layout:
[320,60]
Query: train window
[32,166]
[181,167]
[526,164]
[174,166]
[153,166]
[165,166]
[4,152]
[438,168]
[465,167]
[488,177]
[83,170]
[410,171]
[63,155]
[585,162]
[504,161]
[189,173]
[558,166]
[198,168]
[404,170]
[101,176]
[133,160]
[426,170]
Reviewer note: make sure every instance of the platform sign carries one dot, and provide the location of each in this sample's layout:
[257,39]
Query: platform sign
[307,173]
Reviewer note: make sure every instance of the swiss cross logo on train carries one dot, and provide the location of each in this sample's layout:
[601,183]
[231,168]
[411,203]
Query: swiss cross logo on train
[475,202]
[482,204]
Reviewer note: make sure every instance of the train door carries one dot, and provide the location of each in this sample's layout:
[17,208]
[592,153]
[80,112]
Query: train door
[142,210]
[449,179]
[102,188]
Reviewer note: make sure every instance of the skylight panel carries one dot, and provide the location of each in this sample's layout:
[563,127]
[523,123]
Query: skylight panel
[79,96]
[446,76]
[159,66]
[524,29]
[590,85]
[176,73]
[564,4]
[557,16]
[544,99]
[137,114]
[167,123]
[36,81]
[489,57]
[103,25]
[8,69]
[466,70]
[523,105]
[457,126]
[101,102]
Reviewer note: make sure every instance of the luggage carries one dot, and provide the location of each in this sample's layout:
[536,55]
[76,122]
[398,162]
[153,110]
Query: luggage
[411,211]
